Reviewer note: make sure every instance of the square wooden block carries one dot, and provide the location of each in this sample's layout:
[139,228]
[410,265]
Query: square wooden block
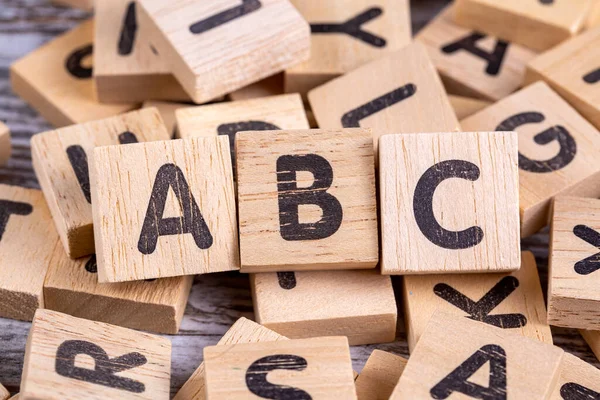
[243,371]
[399,93]
[126,68]
[27,239]
[449,203]
[307,200]
[60,159]
[379,376]
[537,24]
[578,380]
[69,358]
[573,277]
[243,331]
[471,63]
[167,109]
[572,69]
[466,106]
[164,209]
[464,359]
[558,149]
[5,146]
[271,86]
[346,35]
[215,47]
[357,304]
[63,90]
[72,287]
[514,302]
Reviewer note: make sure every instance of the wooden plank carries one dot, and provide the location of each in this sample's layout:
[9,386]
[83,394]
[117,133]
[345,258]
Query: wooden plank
[145,230]
[470,224]
[379,376]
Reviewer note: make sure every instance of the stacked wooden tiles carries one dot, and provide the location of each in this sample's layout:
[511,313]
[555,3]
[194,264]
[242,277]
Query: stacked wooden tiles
[397,178]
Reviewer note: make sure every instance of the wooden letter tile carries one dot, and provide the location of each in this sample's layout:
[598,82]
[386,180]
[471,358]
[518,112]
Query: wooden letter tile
[465,106]
[573,276]
[379,376]
[63,90]
[346,35]
[27,239]
[216,47]
[271,86]
[4,394]
[72,287]
[573,70]
[164,209]
[60,159]
[473,64]
[167,109]
[356,304]
[509,301]
[307,200]
[243,331]
[578,380]
[558,149]
[318,368]
[449,203]
[400,93]
[460,358]
[592,338]
[5,147]
[69,358]
[536,24]
[126,69]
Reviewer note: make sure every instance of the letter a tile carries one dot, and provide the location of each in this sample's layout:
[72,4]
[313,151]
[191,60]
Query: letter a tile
[164,209]
[69,358]
[307,200]
[449,203]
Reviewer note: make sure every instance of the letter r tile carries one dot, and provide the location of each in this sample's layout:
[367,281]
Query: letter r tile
[307,200]
[449,203]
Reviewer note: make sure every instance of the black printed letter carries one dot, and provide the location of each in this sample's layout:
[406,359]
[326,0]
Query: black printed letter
[423,205]
[592,77]
[7,208]
[105,369]
[287,280]
[568,147]
[573,391]
[352,118]
[590,236]
[353,27]
[256,377]
[291,196]
[127,39]
[192,221]
[73,63]
[457,380]
[469,44]
[207,24]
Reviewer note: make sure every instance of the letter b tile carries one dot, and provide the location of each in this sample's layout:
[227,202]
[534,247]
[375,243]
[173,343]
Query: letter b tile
[307,200]
[449,203]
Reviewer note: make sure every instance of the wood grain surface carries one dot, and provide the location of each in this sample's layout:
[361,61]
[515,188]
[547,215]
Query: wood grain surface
[217,300]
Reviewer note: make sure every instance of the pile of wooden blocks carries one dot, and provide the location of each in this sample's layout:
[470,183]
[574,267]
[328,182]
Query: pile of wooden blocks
[398,179]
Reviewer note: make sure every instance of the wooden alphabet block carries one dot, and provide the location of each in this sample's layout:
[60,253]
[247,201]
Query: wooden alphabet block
[172,214]
[578,380]
[167,109]
[572,69]
[463,359]
[537,24]
[4,394]
[514,302]
[27,239]
[400,93]
[302,366]
[72,287]
[357,304]
[306,200]
[5,147]
[465,106]
[379,376]
[69,358]
[60,159]
[126,67]
[573,298]
[214,48]
[86,5]
[592,338]
[471,63]
[449,203]
[557,149]
[346,35]
[56,80]
[271,86]
[243,331]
